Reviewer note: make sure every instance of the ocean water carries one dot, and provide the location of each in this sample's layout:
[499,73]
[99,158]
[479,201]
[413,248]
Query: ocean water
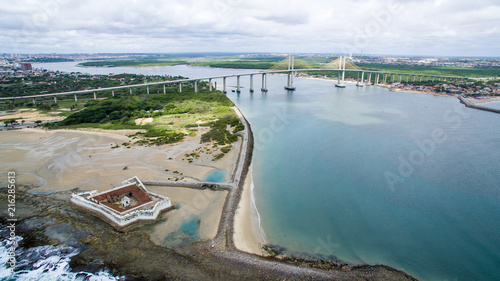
[371,176]
[378,177]
[46,263]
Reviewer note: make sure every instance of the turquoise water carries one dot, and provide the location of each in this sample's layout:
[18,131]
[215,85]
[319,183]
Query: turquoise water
[371,176]
[216,176]
[188,232]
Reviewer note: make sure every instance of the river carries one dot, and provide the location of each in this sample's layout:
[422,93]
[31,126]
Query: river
[371,176]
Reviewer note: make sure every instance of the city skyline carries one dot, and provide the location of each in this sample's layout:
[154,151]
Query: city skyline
[418,28]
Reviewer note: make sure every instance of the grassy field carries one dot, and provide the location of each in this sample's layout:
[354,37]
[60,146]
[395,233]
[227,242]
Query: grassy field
[133,62]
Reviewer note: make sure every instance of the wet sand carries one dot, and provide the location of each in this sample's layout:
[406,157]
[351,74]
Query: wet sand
[248,236]
[58,160]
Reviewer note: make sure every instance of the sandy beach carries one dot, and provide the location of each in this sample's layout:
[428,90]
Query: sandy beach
[58,160]
[483,100]
[247,233]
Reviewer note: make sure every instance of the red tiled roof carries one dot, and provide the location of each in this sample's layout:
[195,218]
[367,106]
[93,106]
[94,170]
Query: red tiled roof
[134,188]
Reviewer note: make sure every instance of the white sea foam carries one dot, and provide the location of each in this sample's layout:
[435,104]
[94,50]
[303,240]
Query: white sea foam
[45,263]
[261,231]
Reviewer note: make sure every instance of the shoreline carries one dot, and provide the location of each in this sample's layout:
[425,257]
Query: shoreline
[247,230]
[237,241]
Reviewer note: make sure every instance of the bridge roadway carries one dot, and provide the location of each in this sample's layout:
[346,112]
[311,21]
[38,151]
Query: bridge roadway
[386,75]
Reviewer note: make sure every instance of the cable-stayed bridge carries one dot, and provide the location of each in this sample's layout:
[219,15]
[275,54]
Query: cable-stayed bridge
[289,66]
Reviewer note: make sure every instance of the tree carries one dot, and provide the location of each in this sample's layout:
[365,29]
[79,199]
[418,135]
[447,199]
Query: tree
[38,122]
[11,121]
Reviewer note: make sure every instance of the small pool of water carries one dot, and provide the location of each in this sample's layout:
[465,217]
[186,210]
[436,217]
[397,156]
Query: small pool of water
[216,176]
[187,233]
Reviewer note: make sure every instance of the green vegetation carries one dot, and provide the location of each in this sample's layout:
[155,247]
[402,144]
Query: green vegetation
[132,62]
[47,83]
[238,64]
[11,121]
[219,132]
[172,114]
[434,70]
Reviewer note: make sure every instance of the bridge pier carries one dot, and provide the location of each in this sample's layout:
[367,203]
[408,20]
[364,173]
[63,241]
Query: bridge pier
[369,82]
[55,99]
[251,83]
[238,84]
[164,88]
[180,87]
[377,78]
[196,86]
[34,100]
[130,90]
[264,82]
[76,99]
[113,92]
[224,85]
[147,89]
[210,84]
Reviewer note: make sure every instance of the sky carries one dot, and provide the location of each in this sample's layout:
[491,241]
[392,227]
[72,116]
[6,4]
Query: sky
[386,27]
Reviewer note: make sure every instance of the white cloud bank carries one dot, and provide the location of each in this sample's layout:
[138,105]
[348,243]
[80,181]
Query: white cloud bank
[420,27]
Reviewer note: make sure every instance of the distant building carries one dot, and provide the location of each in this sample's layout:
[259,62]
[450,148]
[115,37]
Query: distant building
[26,66]
[124,205]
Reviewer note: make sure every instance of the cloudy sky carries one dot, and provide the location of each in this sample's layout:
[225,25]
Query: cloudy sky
[404,27]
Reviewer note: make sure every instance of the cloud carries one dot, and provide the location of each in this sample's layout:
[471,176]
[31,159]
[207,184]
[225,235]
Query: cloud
[428,27]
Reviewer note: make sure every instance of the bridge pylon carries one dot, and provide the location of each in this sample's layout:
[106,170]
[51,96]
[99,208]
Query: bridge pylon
[289,85]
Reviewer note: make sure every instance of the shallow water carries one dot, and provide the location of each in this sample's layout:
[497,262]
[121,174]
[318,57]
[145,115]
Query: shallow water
[216,176]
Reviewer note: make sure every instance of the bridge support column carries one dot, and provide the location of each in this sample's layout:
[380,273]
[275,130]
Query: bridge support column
[264,82]
[369,82]
[196,86]
[215,85]
[180,87]
[238,84]
[113,93]
[164,88]
[224,85]
[130,90]
[210,84]
[55,99]
[34,100]
[251,83]
[76,99]
[362,78]
[147,89]
[95,96]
